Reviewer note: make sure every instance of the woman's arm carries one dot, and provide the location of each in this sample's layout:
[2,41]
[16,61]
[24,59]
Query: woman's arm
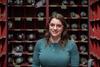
[36,62]
[74,55]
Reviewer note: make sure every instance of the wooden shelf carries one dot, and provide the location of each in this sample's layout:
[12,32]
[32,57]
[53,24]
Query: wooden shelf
[95,38]
[77,29]
[2,37]
[94,55]
[85,53]
[26,18]
[41,30]
[25,41]
[23,6]
[2,4]
[98,19]
[23,53]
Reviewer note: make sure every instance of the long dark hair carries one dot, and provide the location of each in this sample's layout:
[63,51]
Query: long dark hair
[64,35]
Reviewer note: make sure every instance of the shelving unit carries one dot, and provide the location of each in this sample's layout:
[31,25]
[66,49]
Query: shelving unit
[27,22]
[94,31]
[3,33]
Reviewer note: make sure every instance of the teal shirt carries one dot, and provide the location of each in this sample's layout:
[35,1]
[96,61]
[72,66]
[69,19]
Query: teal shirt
[54,55]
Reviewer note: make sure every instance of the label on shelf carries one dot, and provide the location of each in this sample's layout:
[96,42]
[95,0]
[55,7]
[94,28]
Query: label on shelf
[29,19]
[17,18]
[40,18]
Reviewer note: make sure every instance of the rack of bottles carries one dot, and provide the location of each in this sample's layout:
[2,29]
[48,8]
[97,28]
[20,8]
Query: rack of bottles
[3,33]
[94,31]
[27,21]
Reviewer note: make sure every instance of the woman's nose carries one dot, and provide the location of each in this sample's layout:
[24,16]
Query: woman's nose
[55,27]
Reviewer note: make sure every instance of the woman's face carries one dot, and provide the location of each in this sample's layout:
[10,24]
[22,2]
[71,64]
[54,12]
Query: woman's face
[55,27]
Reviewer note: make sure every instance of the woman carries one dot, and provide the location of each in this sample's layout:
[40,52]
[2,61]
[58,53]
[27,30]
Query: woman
[55,49]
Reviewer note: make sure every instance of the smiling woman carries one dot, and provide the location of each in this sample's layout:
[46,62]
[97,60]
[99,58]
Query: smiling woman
[55,49]
[55,28]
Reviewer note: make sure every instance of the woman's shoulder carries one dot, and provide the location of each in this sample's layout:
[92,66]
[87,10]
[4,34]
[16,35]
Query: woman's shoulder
[70,43]
[42,40]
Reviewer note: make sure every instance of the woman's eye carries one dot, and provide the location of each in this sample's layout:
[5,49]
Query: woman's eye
[51,24]
[59,25]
